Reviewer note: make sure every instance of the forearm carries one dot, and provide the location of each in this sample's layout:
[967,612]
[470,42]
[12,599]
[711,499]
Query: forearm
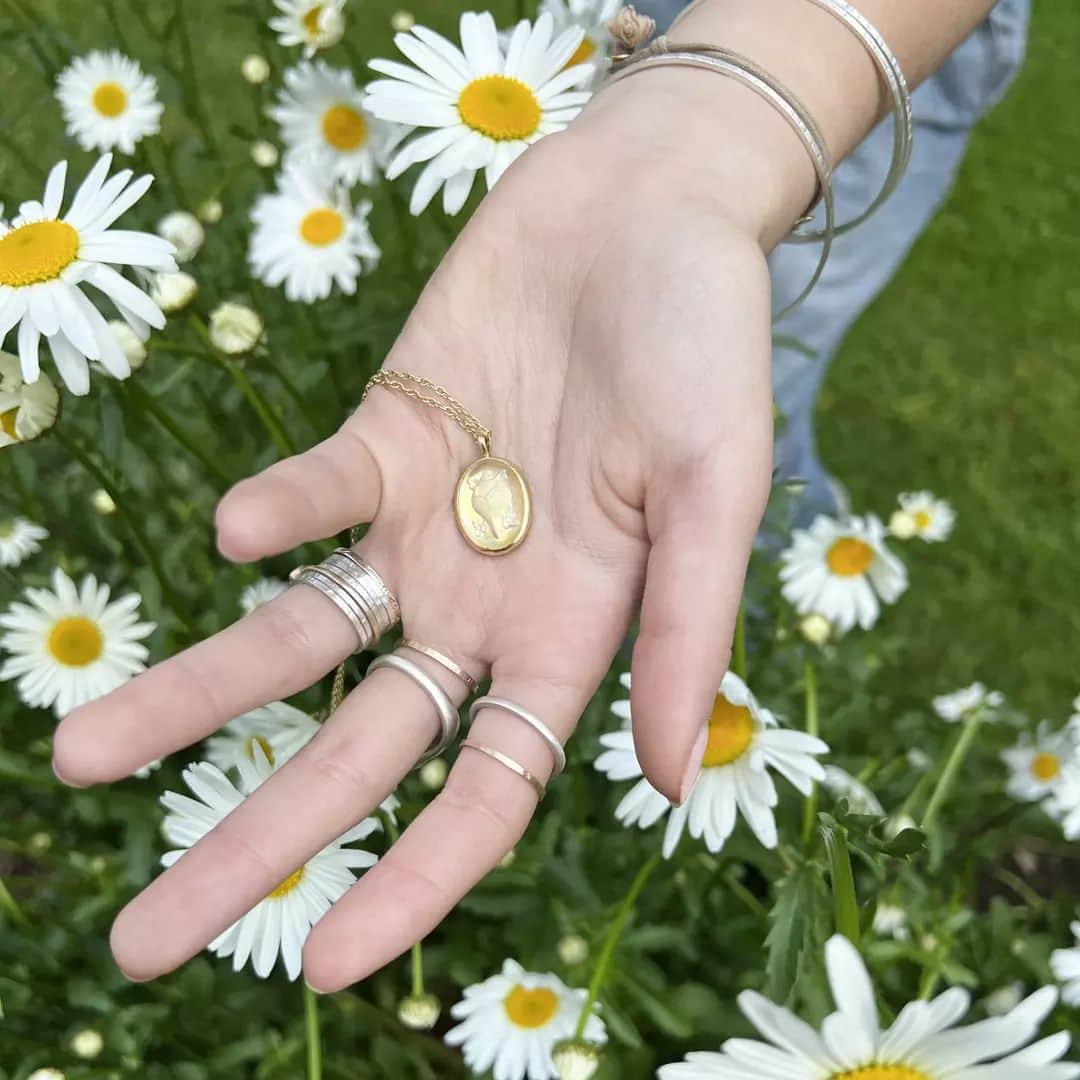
[721,134]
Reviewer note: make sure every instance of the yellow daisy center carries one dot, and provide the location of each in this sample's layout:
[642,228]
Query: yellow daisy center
[311,19]
[344,128]
[849,557]
[1045,766]
[286,886]
[7,422]
[321,227]
[499,107]
[581,53]
[76,641]
[37,252]
[882,1072]
[531,1008]
[110,99]
[258,740]
[731,730]
[922,520]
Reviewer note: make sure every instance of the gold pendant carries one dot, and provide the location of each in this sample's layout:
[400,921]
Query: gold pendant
[492,505]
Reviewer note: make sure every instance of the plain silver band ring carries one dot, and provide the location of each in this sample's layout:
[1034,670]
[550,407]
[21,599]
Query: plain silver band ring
[538,725]
[448,715]
[497,755]
[442,660]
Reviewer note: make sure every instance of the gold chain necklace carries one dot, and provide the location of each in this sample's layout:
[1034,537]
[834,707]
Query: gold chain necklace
[492,504]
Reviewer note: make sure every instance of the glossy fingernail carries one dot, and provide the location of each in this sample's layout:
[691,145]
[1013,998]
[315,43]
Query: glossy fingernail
[693,765]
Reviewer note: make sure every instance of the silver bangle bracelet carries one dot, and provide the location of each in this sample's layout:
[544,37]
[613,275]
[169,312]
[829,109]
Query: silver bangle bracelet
[662,53]
[903,129]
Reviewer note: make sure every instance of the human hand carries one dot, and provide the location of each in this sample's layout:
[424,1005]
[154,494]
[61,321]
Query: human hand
[606,314]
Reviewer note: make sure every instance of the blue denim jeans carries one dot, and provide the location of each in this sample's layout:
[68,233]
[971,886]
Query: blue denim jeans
[946,107]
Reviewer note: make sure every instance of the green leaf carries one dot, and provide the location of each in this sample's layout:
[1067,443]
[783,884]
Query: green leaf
[798,917]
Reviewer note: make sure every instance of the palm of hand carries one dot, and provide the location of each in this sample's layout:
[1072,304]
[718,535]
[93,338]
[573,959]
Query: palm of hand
[624,370]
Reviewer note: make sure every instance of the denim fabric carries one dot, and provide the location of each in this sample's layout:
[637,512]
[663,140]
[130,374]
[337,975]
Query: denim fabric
[946,108]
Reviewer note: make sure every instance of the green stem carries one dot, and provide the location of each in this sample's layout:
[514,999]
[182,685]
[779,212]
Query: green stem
[296,394]
[612,939]
[745,895]
[417,951]
[117,29]
[149,403]
[960,750]
[7,903]
[845,901]
[142,541]
[190,82]
[311,1030]
[738,648]
[812,727]
[18,153]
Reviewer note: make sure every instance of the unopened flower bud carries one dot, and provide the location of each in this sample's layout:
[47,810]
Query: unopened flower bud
[46,1074]
[433,774]
[184,232]
[815,628]
[87,1043]
[419,1011]
[102,502]
[173,292]
[130,343]
[575,1060]
[401,21]
[235,329]
[573,949]
[39,843]
[264,154]
[255,69]
[211,210]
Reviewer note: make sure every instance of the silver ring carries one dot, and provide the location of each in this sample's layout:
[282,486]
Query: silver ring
[538,725]
[356,590]
[449,719]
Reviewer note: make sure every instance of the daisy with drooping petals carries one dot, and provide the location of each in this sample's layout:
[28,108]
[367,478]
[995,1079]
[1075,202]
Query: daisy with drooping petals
[1065,964]
[512,1021]
[261,592]
[46,262]
[484,106]
[842,569]
[69,646]
[19,539]
[308,237]
[1037,764]
[593,17]
[325,127]
[961,704]
[744,743]
[923,1043]
[26,409]
[279,729]
[280,922]
[108,102]
[931,518]
[315,25]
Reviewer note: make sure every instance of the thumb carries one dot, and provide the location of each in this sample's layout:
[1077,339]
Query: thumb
[703,531]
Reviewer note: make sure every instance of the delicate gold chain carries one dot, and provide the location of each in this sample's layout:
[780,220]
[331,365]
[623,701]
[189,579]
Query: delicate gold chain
[440,398]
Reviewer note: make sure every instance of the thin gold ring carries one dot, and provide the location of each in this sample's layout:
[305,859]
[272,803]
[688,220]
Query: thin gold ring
[497,755]
[441,658]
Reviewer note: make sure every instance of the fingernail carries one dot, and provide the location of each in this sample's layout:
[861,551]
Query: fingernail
[693,765]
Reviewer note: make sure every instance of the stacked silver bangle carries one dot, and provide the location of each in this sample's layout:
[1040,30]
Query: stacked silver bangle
[356,590]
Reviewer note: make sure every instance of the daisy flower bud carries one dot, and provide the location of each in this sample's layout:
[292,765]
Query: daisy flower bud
[1004,999]
[902,525]
[132,345]
[102,502]
[255,69]
[264,154]
[815,628]
[573,949]
[184,232]
[39,843]
[87,1043]
[419,1011]
[235,329]
[173,292]
[211,210]
[402,21]
[433,774]
[46,1074]
[575,1060]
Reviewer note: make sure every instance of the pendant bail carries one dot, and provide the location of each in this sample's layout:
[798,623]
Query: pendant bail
[485,444]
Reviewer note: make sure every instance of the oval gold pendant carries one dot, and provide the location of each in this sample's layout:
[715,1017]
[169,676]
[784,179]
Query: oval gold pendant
[492,506]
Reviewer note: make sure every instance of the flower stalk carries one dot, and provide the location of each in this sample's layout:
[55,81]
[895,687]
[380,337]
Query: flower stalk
[961,749]
[312,1034]
[738,646]
[812,728]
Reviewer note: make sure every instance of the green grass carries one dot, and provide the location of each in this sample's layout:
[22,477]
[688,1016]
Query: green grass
[963,378]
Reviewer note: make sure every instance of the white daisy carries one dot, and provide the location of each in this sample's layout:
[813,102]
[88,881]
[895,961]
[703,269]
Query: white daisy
[108,102]
[325,127]
[592,16]
[315,25]
[308,237]
[860,798]
[1037,763]
[69,646]
[281,921]
[26,409]
[932,518]
[511,1022]
[19,539]
[744,742]
[46,262]
[961,704]
[485,106]
[261,592]
[279,729]
[1063,805]
[841,568]
[1065,964]
[922,1044]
